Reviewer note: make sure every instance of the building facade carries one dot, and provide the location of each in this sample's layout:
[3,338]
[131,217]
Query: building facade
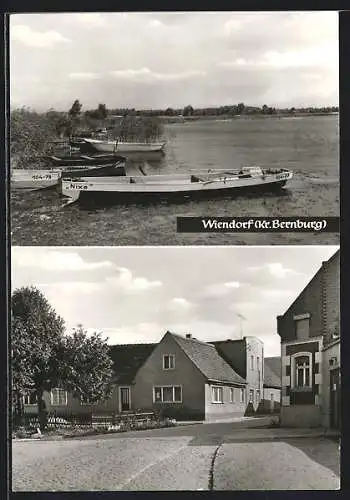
[272,385]
[246,357]
[187,379]
[309,331]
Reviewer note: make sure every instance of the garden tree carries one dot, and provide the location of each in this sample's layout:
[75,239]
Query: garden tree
[188,110]
[37,339]
[75,110]
[43,357]
[169,112]
[85,366]
[21,348]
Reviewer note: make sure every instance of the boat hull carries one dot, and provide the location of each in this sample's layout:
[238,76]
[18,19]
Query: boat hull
[23,179]
[107,192]
[120,147]
[81,160]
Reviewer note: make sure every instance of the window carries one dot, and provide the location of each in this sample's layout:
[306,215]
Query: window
[217,394]
[301,370]
[232,395]
[302,326]
[85,401]
[30,399]
[58,397]
[258,363]
[242,396]
[167,394]
[168,361]
[252,362]
[251,395]
[258,396]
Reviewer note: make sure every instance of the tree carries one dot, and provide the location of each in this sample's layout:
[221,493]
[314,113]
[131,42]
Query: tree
[86,366]
[43,357]
[37,338]
[240,108]
[75,109]
[188,110]
[102,111]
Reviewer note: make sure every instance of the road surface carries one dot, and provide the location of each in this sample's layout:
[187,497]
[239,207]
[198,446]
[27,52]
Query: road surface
[194,457]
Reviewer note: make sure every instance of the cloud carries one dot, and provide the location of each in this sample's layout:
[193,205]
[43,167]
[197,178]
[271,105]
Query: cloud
[275,269]
[146,75]
[27,36]
[220,289]
[126,282]
[75,288]
[90,20]
[54,260]
[180,303]
[84,76]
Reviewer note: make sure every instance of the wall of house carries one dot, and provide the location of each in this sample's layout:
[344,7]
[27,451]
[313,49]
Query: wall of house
[320,298]
[74,405]
[266,405]
[330,353]
[301,407]
[225,410]
[185,374]
[255,376]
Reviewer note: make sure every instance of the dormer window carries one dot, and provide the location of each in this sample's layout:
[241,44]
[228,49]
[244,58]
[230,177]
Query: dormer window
[168,361]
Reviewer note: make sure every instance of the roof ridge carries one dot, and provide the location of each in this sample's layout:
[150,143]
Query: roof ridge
[190,339]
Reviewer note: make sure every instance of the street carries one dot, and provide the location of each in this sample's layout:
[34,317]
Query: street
[193,457]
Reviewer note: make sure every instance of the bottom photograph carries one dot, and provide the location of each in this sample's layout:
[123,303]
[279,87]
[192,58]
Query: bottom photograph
[175,368]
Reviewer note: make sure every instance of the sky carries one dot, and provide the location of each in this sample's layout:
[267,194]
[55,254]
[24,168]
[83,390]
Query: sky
[136,294]
[159,60]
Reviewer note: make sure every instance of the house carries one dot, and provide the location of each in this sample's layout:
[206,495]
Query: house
[310,352]
[188,379]
[127,359]
[246,357]
[272,385]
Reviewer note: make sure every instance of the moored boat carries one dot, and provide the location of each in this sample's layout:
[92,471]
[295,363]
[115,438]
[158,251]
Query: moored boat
[107,146]
[34,179]
[191,184]
[84,160]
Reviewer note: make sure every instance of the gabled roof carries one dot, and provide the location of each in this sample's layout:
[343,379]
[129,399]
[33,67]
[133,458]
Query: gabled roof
[272,372]
[207,360]
[128,359]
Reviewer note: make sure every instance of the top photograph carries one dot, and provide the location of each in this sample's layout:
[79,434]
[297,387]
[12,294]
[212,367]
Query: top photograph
[124,126]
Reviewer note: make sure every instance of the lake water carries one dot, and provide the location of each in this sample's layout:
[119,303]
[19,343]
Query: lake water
[309,146]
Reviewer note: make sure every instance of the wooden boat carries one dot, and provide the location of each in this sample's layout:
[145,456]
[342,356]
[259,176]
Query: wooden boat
[192,184]
[84,160]
[105,146]
[33,179]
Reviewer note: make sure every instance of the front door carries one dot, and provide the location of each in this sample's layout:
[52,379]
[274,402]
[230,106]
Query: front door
[124,399]
[335,398]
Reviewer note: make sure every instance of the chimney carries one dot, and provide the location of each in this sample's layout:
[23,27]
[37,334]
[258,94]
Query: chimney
[188,336]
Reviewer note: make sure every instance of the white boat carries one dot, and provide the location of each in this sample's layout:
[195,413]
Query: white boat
[191,184]
[33,179]
[121,147]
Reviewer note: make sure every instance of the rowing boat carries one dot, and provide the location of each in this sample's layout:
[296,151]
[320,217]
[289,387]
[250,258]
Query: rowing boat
[34,179]
[191,184]
[105,146]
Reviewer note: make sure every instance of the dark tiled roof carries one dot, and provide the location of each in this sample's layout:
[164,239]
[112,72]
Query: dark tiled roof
[128,359]
[207,360]
[272,372]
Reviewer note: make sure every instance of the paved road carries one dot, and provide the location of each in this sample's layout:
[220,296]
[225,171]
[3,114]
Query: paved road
[199,457]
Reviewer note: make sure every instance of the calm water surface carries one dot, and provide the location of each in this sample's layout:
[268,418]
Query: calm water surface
[308,146]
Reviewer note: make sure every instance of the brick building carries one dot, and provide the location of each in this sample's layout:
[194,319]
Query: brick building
[309,332]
